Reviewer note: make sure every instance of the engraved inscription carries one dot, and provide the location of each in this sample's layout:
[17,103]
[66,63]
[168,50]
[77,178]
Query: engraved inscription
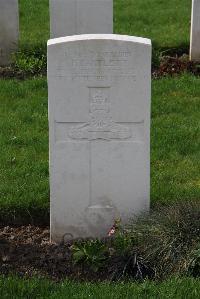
[101,125]
[102,66]
[91,65]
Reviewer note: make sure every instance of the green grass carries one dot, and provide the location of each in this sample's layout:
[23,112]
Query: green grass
[34,23]
[176,288]
[167,23]
[24,149]
[175,155]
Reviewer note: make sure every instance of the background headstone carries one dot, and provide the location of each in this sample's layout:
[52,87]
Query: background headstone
[99,121]
[195,31]
[9,30]
[70,17]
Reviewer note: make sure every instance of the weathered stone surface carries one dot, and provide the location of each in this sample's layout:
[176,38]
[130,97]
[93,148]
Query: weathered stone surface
[70,17]
[99,121]
[9,30]
[195,31]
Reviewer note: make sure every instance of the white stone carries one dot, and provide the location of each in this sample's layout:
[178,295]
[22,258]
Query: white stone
[70,17]
[195,31]
[9,30]
[99,120]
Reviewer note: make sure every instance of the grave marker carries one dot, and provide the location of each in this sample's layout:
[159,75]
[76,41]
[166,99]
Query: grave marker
[9,30]
[195,31]
[99,121]
[70,17]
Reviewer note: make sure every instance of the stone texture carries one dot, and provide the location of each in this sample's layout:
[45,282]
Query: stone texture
[9,30]
[99,120]
[70,17]
[195,31]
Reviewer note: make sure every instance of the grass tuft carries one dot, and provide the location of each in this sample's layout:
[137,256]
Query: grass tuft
[168,239]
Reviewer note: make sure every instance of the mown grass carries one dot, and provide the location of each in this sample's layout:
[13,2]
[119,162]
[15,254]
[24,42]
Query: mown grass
[24,149]
[175,143]
[175,131]
[175,288]
[34,23]
[167,23]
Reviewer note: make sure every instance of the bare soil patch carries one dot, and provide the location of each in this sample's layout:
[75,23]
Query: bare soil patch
[27,251]
[175,65]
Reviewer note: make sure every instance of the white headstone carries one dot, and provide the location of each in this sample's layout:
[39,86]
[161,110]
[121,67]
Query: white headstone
[9,30]
[70,17]
[195,31]
[99,120]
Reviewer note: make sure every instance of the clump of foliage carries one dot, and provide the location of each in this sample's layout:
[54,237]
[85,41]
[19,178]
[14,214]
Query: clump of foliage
[168,238]
[30,62]
[125,258]
[30,65]
[92,253]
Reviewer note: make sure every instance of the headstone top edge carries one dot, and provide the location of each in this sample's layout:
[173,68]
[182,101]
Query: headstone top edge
[87,37]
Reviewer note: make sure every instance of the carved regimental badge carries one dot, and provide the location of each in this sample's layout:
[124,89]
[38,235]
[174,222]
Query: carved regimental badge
[101,125]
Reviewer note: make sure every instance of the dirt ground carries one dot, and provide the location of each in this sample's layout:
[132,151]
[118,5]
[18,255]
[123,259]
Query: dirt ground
[27,251]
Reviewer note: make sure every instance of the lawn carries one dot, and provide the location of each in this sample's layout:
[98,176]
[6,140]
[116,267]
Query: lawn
[176,288]
[175,155]
[167,23]
[24,149]
[175,131]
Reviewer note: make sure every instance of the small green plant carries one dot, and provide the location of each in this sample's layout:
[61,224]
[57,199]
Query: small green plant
[30,62]
[92,253]
[122,242]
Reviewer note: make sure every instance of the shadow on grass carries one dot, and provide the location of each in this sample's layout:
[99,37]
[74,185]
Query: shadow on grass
[17,216]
